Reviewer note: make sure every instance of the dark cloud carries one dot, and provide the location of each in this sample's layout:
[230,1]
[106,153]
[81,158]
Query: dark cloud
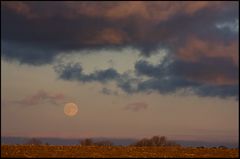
[166,86]
[205,77]
[214,70]
[172,85]
[108,91]
[26,54]
[145,68]
[208,70]
[38,31]
[137,106]
[202,57]
[75,72]
[216,77]
[222,91]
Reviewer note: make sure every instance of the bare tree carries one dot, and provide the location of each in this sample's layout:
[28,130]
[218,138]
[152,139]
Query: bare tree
[155,141]
[86,142]
[89,142]
[162,141]
[143,142]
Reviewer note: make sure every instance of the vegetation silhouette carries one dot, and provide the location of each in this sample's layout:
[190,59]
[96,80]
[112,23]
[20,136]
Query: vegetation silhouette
[89,142]
[155,141]
[34,141]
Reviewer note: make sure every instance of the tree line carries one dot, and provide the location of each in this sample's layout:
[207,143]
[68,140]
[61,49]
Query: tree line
[154,141]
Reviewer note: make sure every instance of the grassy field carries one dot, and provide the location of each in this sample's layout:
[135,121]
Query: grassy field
[114,151]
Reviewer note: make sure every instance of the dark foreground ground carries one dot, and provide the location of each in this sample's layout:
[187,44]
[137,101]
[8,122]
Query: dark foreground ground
[114,151]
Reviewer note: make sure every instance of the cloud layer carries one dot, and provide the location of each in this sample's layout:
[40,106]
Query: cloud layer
[50,28]
[201,39]
[215,77]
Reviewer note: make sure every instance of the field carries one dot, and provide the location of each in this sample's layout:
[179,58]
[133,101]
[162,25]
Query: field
[113,151]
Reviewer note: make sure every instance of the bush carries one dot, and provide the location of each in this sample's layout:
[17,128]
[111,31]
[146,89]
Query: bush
[155,141]
[103,143]
[222,147]
[89,142]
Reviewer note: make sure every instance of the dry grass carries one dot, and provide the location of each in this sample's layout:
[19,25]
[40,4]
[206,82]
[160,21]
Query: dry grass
[114,151]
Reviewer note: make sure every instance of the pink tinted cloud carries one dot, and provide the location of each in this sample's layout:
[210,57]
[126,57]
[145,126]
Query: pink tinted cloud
[161,10]
[122,22]
[42,97]
[137,106]
[196,47]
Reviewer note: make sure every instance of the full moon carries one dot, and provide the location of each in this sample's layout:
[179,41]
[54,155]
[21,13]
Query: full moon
[70,109]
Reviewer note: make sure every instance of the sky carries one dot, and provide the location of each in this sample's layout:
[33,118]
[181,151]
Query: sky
[134,69]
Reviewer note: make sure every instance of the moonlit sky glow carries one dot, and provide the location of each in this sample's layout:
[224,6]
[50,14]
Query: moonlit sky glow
[134,69]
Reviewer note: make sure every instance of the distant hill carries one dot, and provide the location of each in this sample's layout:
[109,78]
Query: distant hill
[115,141]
